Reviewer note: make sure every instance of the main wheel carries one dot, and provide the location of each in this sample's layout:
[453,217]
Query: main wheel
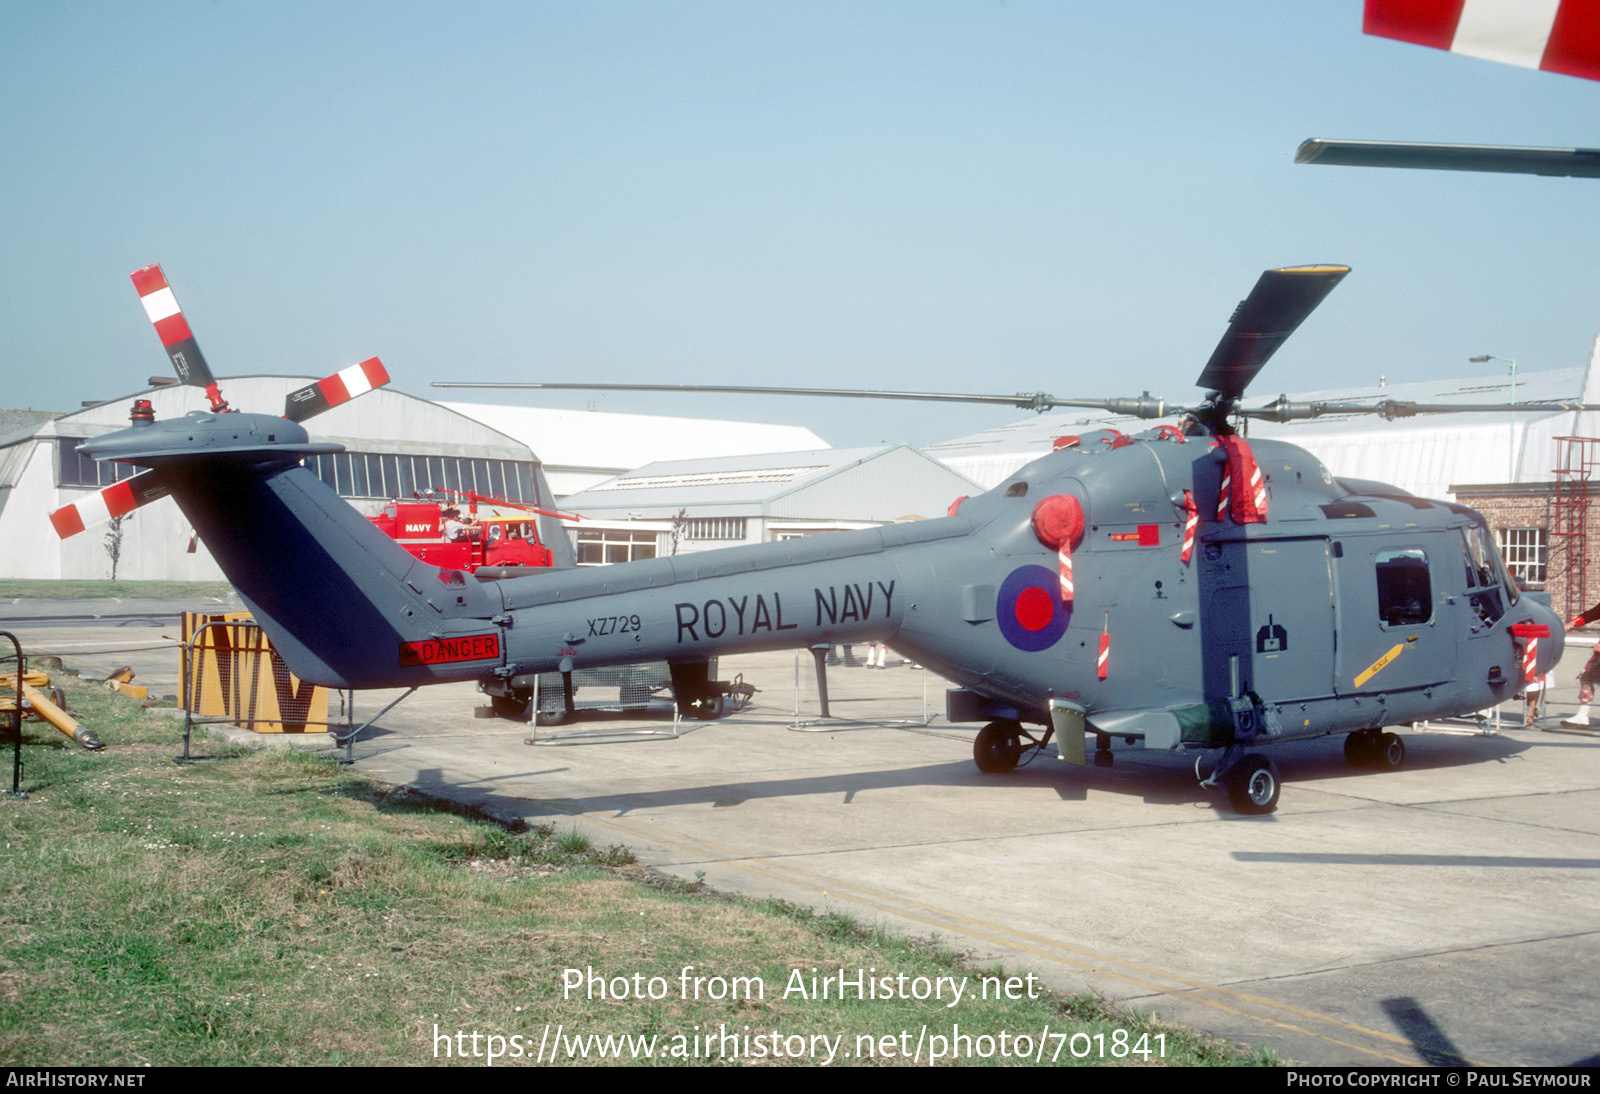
[1359,748]
[708,708]
[553,717]
[1390,753]
[998,747]
[1253,785]
[511,708]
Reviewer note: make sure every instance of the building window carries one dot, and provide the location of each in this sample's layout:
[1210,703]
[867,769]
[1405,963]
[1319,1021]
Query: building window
[1526,551]
[713,528]
[368,475]
[602,547]
[73,468]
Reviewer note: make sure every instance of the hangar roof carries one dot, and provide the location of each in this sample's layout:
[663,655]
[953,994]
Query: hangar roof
[881,482]
[601,439]
[383,420]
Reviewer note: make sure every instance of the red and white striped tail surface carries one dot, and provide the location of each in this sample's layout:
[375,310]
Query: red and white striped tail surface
[1553,35]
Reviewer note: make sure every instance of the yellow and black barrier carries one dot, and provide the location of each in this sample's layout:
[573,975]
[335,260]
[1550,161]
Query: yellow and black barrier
[231,673]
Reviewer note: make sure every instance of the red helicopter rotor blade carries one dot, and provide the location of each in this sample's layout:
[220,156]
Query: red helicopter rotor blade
[173,329]
[116,500]
[330,391]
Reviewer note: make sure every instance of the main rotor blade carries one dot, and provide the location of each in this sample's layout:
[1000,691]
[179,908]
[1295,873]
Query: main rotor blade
[1278,304]
[330,391]
[173,329]
[1142,407]
[1578,163]
[1283,410]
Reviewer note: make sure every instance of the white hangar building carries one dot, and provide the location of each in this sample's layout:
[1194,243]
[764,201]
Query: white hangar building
[755,499]
[394,443]
[586,447]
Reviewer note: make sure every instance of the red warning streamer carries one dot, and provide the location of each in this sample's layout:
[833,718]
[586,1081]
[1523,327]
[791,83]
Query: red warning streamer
[1058,522]
[1243,495]
[1105,648]
[1529,634]
[1191,519]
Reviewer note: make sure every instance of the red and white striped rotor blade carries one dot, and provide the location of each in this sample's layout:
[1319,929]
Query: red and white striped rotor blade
[330,391]
[1553,35]
[173,329]
[118,499]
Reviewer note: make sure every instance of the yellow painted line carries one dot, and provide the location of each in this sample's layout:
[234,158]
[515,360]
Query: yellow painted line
[1145,977]
[1380,664]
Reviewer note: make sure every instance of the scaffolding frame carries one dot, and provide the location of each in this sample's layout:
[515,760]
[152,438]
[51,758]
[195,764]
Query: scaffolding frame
[1579,459]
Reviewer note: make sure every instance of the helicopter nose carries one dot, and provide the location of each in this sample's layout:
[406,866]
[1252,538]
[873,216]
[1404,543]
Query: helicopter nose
[1542,626]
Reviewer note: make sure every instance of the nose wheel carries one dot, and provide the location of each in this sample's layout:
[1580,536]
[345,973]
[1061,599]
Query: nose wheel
[1001,744]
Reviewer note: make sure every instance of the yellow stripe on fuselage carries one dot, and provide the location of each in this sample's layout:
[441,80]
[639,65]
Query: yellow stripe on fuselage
[1380,664]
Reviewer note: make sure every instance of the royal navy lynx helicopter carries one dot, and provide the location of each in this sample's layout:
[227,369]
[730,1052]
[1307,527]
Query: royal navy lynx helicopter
[1182,588]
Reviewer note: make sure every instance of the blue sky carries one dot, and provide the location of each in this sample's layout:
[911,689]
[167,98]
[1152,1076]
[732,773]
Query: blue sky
[976,196]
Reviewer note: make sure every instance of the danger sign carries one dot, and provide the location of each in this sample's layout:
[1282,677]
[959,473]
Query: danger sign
[441,651]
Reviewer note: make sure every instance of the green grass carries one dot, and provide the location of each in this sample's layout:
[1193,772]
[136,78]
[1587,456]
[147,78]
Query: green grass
[277,909]
[16,589]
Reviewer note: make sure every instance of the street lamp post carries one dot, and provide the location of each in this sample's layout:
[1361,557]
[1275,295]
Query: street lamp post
[1511,471]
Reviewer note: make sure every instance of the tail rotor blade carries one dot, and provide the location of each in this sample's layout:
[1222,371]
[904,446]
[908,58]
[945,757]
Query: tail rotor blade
[329,392]
[173,329]
[1278,304]
[116,500]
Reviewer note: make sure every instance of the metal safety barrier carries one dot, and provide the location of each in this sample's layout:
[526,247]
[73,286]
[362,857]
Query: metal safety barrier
[230,674]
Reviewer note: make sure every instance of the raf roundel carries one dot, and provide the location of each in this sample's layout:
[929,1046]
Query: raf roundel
[1029,609]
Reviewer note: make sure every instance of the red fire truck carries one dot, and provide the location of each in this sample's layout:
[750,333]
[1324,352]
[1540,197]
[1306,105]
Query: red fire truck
[433,531]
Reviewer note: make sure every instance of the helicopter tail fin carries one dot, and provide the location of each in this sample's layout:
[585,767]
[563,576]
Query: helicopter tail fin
[344,604]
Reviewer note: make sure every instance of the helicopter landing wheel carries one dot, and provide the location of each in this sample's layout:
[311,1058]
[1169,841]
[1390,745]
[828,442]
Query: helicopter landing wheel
[708,708]
[554,717]
[1390,752]
[1361,748]
[1253,785]
[511,708]
[998,747]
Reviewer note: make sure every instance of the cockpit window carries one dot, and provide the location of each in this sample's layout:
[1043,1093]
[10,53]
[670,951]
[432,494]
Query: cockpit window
[1405,590]
[1486,588]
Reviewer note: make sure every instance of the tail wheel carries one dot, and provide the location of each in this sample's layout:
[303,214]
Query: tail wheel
[998,747]
[1253,785]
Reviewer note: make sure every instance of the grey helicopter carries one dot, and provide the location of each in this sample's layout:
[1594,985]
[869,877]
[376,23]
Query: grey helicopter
[1182,588]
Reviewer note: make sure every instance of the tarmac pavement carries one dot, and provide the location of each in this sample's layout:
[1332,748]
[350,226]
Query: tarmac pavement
[1448,912]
